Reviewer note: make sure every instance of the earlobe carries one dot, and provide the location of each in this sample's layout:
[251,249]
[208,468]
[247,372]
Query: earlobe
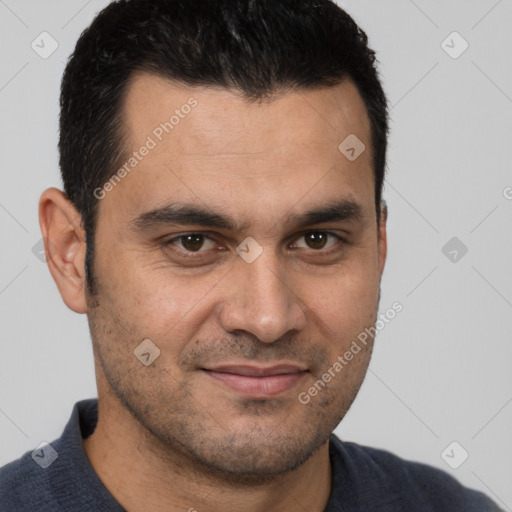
[64,240]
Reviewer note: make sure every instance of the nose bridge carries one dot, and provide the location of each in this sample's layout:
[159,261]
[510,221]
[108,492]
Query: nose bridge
[262,302]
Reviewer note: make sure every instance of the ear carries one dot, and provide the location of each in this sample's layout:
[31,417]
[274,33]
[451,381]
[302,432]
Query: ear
[382,236]
[64,242]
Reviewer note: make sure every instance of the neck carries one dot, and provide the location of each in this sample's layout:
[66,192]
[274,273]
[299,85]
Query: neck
[142,474]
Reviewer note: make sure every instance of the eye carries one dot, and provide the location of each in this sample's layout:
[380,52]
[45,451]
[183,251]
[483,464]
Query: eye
[192,242]
[317,240]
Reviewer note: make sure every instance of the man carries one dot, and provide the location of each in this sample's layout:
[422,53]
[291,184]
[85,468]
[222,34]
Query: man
[223,229]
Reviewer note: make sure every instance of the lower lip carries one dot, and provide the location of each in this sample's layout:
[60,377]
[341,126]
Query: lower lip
[256,386]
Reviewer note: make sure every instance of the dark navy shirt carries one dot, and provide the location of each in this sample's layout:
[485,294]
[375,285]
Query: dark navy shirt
[59,478]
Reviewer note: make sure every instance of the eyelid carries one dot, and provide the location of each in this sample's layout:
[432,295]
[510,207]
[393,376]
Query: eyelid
[176,238]
[339,238]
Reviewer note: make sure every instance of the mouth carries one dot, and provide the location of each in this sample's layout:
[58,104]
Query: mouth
[257,381]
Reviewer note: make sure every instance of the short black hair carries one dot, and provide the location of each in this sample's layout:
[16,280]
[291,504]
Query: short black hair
[258,48]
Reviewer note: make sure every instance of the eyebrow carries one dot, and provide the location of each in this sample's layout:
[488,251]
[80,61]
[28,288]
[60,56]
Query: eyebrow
[186,214]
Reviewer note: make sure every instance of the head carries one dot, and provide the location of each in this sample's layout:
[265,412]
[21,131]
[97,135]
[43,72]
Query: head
[210,208]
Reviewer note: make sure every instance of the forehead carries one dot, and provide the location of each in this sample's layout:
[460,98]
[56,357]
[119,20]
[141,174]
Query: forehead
[223,116]
[209,144]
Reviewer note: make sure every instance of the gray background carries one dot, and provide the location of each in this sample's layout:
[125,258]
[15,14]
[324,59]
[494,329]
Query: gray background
[441,369]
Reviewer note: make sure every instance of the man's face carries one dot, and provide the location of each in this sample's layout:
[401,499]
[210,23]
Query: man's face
[239,338]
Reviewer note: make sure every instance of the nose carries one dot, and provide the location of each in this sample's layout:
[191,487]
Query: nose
[261,301]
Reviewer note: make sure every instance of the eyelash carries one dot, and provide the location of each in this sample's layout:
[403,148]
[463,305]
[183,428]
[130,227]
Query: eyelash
[195,254]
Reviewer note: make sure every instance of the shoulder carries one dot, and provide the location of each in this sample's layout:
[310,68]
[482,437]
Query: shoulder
[402,483]
[46,478]
[22,485]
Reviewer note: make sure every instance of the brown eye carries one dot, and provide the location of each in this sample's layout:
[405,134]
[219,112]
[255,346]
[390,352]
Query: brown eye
[193,248]
[316,239]
[192,242]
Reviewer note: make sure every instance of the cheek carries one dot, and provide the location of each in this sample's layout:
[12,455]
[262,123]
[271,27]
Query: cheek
[343,315]
[160,303]
[346,301]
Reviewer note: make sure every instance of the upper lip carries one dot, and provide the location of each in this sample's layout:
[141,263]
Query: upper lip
[258,370]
